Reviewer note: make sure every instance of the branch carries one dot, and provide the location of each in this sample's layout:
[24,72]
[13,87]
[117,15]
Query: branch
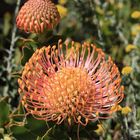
[11,49]
[13,40]
[97,22]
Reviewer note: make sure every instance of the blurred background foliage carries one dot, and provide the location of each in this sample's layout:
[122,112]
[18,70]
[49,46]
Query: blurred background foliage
[113,25]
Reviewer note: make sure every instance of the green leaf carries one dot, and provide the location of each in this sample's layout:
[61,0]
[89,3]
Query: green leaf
[10,1]
[56,133]
[7,25]
[53,40]
[22,133]
[38,138]
[4,112]
[38,127]
[27,53]
[32,128]
[46,136]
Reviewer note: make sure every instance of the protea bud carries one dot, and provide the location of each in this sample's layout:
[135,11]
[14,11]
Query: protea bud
[73,83]
[37,16]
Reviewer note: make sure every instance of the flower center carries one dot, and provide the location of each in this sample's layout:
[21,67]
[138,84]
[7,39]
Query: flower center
[70,88]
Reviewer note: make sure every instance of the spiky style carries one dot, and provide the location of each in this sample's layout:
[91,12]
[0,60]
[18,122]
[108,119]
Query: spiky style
[73,83]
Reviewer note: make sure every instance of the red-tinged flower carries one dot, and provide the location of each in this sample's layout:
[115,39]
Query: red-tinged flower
[35,16]
[76,83]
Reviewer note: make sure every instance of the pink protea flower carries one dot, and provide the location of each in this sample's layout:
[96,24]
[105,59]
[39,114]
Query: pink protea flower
[35,16]
[74,83]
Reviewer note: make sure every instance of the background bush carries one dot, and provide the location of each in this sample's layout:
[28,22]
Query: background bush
[113,25]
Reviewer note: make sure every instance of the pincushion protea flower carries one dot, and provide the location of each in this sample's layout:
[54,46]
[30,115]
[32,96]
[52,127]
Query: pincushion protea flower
[37,16]
[73,83]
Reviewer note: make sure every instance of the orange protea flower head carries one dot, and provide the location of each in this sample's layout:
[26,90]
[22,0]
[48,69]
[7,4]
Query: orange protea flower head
[70,82]
[35,16]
